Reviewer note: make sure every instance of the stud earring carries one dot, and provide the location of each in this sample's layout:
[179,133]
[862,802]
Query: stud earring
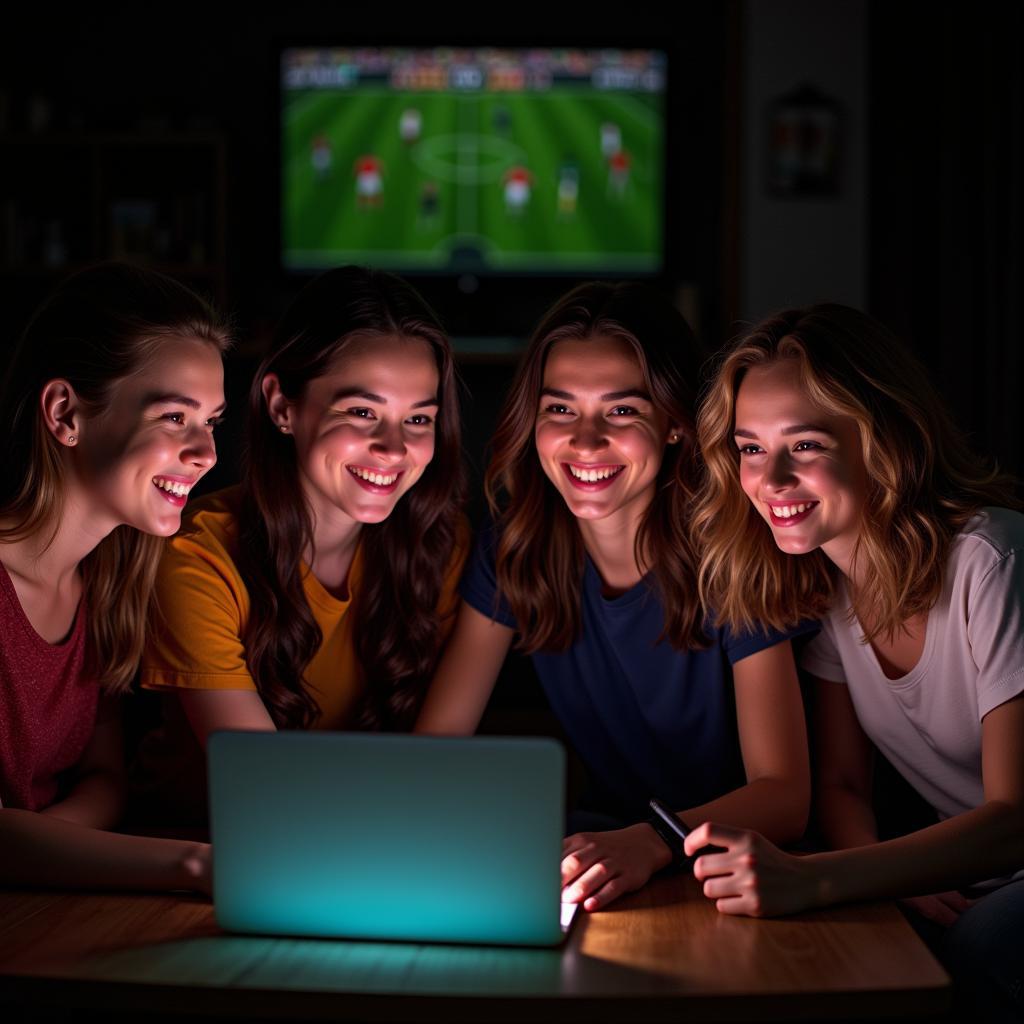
[284,428]
[673,438]
[72,439]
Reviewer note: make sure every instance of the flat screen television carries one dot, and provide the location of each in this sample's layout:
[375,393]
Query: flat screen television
[473,161]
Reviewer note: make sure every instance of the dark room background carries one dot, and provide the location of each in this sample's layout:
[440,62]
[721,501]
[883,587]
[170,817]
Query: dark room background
[917,218]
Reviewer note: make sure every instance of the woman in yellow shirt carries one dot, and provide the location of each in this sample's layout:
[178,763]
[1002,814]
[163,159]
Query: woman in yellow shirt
[317,593]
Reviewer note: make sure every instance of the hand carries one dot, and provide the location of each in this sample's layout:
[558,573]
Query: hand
[751,875]
[197,868]
[598,867]
[942,907]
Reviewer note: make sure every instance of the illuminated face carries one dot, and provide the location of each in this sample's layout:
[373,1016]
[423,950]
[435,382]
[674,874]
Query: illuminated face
[137,460]
[803,469]
[364,431]
[599,437]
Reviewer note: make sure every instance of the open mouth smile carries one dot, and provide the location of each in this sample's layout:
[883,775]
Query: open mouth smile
[791,513]
[591,477]
[375,481]
[173,490]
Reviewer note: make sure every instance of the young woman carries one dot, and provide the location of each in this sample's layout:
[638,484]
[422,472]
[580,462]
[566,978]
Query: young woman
[107,412]
[838,485]
[316,594]
[590,561]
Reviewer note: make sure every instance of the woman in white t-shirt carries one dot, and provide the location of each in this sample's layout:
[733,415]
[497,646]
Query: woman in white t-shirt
[824,440]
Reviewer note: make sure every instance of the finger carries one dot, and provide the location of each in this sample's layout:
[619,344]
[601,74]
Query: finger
[606,894]
[723,886]
[577,862]
[710,834]
[711,864]
[738,905]
[937,911]
[588,883]
[576,842]
[955,901]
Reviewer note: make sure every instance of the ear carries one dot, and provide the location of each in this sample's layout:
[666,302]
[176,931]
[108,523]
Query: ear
[62,411]
[278,407]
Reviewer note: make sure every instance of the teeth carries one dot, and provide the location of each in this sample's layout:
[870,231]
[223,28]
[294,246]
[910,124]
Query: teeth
[786,511]
[172,486]
[380,479]
[591,476]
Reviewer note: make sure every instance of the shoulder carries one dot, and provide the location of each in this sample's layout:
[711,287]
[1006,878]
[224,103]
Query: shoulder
[211,525]
[992,538]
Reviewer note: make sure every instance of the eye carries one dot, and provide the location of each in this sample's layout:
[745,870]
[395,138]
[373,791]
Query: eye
[214,421]
[362,413]
[420,420]
[174,417]
[751,449]
[557,409]
[808,446]
[624,410]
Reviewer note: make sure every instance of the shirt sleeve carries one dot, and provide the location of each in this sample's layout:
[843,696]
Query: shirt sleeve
[995,630]
[479,587]
[821,656]
[740,645]
[195,623]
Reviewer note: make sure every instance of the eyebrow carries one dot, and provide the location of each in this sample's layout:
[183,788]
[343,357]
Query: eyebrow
[796,428]
[370,396]
[171,398]
[608,396]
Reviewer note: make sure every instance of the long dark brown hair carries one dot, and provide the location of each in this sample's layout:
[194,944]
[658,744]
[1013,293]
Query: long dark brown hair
[540,548]
[97,328]
[924,483]
[396,627]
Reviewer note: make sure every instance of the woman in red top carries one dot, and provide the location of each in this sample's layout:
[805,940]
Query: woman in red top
[108,408]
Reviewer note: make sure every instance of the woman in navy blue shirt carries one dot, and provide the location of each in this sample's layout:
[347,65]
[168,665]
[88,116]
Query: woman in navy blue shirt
[590,565]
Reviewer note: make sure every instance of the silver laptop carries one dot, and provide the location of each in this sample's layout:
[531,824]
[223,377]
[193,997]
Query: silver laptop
[412,838]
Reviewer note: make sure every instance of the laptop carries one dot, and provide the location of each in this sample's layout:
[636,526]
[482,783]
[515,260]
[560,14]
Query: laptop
[370,836]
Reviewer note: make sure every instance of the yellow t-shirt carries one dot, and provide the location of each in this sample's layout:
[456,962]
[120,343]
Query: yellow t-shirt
[200,607]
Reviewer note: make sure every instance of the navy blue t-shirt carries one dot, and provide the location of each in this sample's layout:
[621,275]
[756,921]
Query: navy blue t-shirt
[647,719]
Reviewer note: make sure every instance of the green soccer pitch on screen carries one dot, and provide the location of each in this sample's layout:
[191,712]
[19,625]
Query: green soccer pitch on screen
[539,161]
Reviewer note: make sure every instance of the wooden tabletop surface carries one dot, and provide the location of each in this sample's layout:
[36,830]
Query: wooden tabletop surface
[661,954]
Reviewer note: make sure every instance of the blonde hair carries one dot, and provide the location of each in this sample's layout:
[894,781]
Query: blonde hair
[98,328]
[924,484]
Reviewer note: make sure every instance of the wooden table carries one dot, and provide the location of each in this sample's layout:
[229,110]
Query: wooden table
[661,954]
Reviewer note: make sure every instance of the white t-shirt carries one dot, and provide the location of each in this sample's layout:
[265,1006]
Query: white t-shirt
[928,722]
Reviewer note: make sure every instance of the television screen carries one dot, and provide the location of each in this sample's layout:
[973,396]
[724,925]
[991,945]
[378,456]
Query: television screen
[482,161]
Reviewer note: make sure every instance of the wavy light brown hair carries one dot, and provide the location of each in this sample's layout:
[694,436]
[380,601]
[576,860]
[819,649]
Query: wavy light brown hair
[540,553]
[98,328]
[397,624]
[924,483]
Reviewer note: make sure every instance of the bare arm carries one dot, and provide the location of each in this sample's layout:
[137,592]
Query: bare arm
[597,867]
[844,759]
[753,877]
[773,737]
[466,675]
[96,799]
[211,710]
[64,846]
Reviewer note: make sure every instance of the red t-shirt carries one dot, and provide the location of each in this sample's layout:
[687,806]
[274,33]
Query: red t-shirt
[47,707]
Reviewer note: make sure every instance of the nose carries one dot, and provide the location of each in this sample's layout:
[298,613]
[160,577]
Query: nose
[388,444]
[588,436]
[780,472]
[200,449]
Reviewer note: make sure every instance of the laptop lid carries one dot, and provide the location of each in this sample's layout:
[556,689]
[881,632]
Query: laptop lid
[387,836]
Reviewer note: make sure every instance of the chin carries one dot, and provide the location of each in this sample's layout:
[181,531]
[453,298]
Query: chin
[796,545]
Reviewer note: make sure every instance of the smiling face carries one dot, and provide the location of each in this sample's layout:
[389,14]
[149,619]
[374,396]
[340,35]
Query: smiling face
[802,468]
[364,431]
[137,459]
[599,437]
